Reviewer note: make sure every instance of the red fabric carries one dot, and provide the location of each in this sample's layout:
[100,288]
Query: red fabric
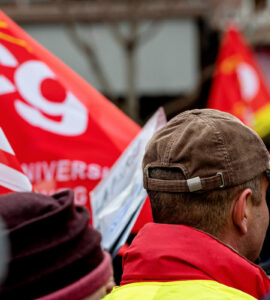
[81,156]
[163,252]
[238,85]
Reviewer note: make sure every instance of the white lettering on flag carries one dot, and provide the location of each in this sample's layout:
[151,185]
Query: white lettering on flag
[64,170]
[74,115]
[28,80]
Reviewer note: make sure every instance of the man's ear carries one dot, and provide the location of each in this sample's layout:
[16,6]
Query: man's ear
[240,210]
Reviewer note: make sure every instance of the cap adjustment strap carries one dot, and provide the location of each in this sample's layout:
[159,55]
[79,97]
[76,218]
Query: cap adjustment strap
[182,186]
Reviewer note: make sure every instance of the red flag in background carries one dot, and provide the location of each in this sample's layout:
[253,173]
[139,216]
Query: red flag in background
[238,85]
[12,178]
[63,131]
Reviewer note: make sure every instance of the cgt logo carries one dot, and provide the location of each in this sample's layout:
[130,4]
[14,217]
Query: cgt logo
[46,104]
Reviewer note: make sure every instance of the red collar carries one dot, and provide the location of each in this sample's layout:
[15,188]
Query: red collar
[162,252]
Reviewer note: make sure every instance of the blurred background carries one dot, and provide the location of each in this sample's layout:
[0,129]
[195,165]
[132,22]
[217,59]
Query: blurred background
[143,54]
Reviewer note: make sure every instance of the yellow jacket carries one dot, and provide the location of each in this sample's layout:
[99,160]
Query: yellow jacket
[189,289]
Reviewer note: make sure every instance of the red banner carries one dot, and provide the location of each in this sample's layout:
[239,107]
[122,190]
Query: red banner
[238,85]
[64,132]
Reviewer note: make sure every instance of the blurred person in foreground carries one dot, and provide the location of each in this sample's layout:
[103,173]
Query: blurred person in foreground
[206,175]
[54,253]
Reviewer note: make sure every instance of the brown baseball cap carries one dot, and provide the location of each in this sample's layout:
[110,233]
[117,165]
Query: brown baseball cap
[212,150]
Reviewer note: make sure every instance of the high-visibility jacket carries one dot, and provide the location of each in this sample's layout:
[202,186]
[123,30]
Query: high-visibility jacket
[188,289]
[179,262]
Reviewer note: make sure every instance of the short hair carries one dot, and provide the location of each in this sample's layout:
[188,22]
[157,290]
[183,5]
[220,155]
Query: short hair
[207,211]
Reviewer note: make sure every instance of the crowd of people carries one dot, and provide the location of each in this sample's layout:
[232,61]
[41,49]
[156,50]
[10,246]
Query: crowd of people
[206,175]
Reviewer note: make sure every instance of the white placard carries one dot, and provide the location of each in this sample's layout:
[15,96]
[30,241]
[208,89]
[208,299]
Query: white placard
[116,201]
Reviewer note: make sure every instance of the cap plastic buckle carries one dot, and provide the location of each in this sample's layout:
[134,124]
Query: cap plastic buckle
[222,179]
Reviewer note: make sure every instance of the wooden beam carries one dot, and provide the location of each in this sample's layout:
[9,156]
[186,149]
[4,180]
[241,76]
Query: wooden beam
[104,11]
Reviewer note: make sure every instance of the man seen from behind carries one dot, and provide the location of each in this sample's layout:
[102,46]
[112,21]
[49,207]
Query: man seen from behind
[206,175]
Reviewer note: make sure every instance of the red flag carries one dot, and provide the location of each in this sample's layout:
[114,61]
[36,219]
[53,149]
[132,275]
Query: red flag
[12,178]
[238,85]
[64,132]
